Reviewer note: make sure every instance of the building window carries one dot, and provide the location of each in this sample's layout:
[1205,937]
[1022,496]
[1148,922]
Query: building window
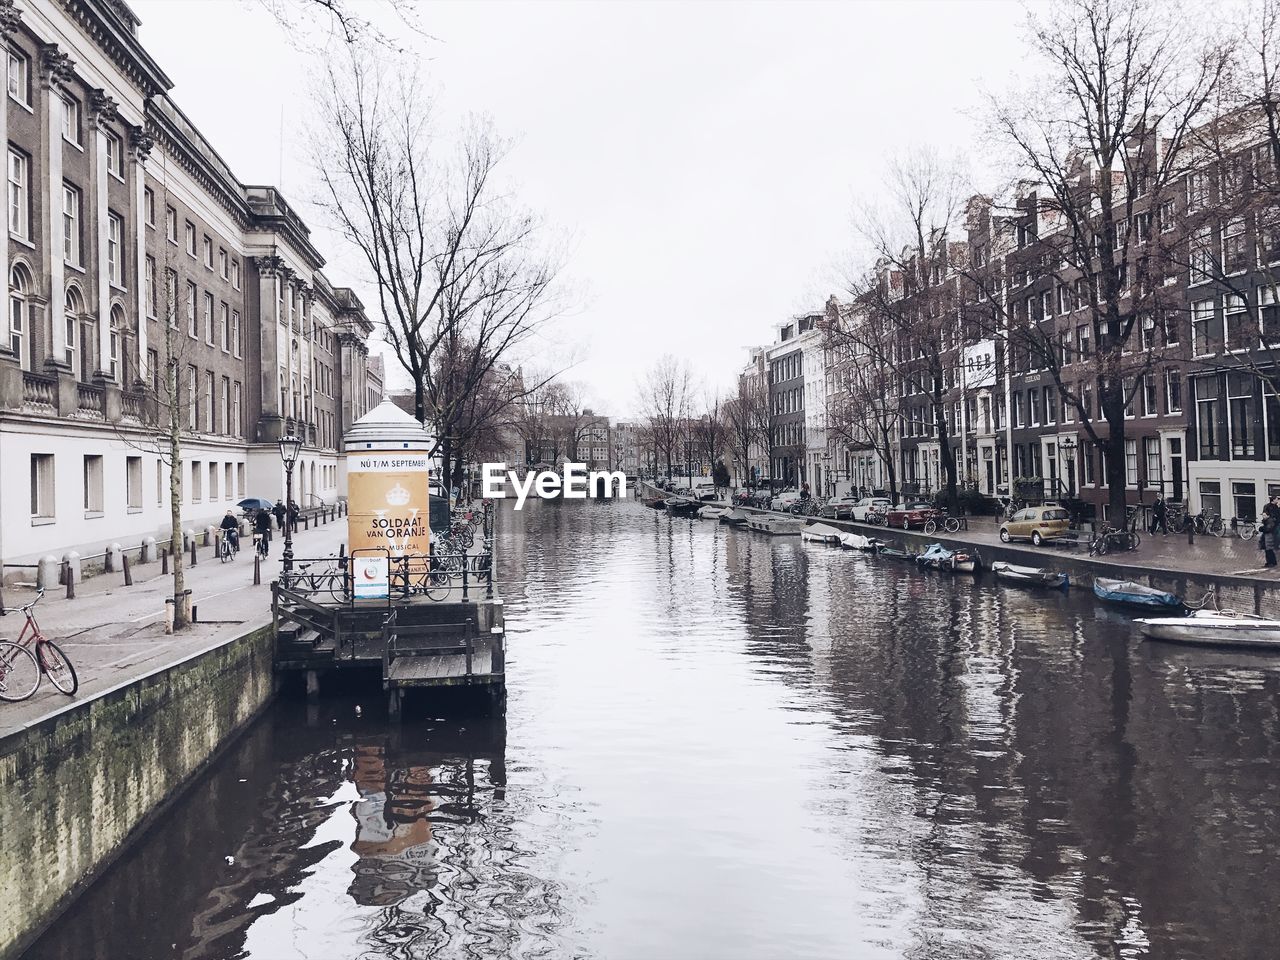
[210,416]
[223,267]
[227,488]
[208,252]
[92,485]
[1201,316]
[1131,463]
[70,224]
[235,416]
[159,483]
[1202,255]
[72,308]
[213,482]
[191,238]
[171,224]
[1235,315]
[224,326]
[149,206]
[235,274]
[1197,190]
[1150,402]
[153,370]
[224,409]
[1050,396]
[1173,391]
[197,481]
[115,249]
[19,340]
[42,485]
[235,332]
[113,343]
[193,322]
[115,155]
[19,194]
[1234,258]
[150,280]
[193,387]
[1207,401]
[133,483]
[240,479]
[208,318]
[1244,499]
[71,120]
[1240,413]
[1211,497]
[1151,451]
[1083,347]
[19,78]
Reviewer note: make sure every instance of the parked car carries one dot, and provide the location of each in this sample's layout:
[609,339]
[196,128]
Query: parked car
[785,500]
[705,490]
[878,505]
[913,514]
[1037,524]
[839,508]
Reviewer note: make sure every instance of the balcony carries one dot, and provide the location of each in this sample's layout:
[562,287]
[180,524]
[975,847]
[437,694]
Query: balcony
[39,393]
[91,401]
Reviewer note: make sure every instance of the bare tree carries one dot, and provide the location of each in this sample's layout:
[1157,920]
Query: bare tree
[425,217]
[348,21]
[710,430]
[1105,142]
[665,396]
[746,419]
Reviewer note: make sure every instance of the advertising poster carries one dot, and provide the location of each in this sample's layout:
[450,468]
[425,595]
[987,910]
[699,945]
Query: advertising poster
[388,495]
[371,577]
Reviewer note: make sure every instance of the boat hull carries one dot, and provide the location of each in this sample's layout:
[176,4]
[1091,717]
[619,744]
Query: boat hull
[775,526]
[1213,631]
[1136,596]
[1031,576]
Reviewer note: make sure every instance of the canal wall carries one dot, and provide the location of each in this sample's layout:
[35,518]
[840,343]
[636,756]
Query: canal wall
[78,784]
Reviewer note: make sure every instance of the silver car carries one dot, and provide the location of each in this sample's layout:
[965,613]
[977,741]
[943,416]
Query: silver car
[878,505]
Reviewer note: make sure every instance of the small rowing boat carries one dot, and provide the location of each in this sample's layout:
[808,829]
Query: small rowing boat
[775,526]
[682,506]
[856,541]
[1030,576]
[1132,594]
[1214,628]
[654,503]
[892,553]
[734,517]
[712,513]
[820,533]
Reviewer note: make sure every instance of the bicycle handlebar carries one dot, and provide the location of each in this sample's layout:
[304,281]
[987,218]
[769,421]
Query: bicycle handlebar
[26,606]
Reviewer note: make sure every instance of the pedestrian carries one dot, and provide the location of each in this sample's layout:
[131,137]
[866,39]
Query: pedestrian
[262,527]
[1159,516]
[280,513]
[1272,509]
[1269,540]
[293,516]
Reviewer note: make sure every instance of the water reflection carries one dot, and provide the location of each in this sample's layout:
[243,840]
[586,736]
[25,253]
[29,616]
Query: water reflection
[722,745]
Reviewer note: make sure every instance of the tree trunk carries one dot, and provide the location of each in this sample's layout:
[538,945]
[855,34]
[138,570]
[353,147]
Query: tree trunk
[1113,455]
[175,506]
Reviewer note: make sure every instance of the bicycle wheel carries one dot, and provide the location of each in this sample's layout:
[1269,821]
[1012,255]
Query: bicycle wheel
[952,525]
[437,586]
[1134,540]
[930,528]
[57,667]
[1103,545]
[1247,529]
[1217,527]
[19,672]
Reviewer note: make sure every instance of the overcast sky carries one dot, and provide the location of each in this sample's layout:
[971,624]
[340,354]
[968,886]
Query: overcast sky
[702,158]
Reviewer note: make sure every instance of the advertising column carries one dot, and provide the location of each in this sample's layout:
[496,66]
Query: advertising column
[388,495]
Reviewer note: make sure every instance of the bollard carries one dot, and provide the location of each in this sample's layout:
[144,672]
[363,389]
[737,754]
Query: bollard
[210,533]
[193,552]
[73,570]
[128,574]
[257,568]
[168,612]
[48,572]
[164,566]
[70,580]
[147,553]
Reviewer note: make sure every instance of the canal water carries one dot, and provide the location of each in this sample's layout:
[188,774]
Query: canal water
[722,745]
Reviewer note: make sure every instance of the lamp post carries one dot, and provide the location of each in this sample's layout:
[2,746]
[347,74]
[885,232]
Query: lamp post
[1068,447]
[290,447]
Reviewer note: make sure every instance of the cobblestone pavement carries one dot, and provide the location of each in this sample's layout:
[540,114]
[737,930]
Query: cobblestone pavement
[114,634]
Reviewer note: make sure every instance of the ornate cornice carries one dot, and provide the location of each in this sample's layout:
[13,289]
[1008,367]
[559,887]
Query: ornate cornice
[141,140]
[10,17]
[55,66]
[269,266]
[308,294]
[103,108]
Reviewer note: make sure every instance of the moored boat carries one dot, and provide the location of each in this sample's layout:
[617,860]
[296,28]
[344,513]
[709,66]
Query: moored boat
[775,526]
[856,541]
[1214,628]
[712,513]
[1030,576]
[655,503]
[1132,594]
[682,506]
[820,533]
[938,557]
[893,553]
[734,517]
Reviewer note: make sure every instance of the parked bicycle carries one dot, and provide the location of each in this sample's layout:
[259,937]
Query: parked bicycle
[1108,539]
[32,656]
[944,521]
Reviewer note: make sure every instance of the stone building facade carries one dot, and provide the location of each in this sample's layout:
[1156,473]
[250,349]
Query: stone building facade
[135,253]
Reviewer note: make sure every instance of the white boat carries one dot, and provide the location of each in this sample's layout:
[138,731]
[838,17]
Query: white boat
[734,517]
[1031,576]
[1214,628]
[856,541]
[775,526]
[820,533]
[712,513]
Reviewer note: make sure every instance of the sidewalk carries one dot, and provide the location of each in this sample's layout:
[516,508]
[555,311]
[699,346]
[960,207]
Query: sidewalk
[114,634]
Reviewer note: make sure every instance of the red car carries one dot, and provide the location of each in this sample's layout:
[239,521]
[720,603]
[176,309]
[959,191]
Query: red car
[912,515]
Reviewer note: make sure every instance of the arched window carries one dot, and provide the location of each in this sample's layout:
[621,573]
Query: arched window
[115,355]
[19,315]
[73,307]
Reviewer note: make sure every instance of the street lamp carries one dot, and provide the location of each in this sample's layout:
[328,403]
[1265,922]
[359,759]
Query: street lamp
[1068,447]
[826,470]
[290,447]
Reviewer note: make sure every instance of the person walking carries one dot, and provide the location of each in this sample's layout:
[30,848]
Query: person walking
[293,516]
[1159,515]
[280,513]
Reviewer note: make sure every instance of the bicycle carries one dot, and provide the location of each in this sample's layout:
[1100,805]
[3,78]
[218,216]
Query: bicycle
[33,649]
[948,523]
[1108,538]
[1248,529]
[261,544]
[227,548]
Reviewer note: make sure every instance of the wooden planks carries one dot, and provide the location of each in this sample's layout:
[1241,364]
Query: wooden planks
[442,669]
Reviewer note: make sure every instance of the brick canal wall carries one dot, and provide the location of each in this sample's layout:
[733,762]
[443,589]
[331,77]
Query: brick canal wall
[77,785]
